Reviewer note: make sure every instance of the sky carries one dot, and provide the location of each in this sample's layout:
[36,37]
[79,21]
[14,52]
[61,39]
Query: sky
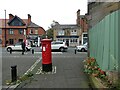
[43,12]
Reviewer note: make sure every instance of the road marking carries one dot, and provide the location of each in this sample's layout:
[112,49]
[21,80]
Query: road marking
[15,56]
[13,86]
[82,52]
[52,52]
[34,53]
[33,66]
[39,71]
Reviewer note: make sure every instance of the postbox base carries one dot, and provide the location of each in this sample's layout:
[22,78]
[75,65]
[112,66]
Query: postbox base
[47,67]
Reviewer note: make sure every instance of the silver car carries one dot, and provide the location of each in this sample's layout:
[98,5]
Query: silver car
[82,48]
[58,45]
[17,47]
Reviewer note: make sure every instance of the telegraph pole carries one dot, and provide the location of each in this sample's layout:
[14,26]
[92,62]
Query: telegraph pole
[5,28]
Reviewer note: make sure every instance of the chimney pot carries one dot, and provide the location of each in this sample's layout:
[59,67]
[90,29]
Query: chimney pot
[10,16]
[29,18]
[78,12]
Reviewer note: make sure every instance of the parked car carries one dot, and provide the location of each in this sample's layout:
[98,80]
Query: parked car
[58,45]
[82,48]
[17,47]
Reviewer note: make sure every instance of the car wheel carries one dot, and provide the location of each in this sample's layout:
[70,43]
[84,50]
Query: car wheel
[62,49]
[9,49]
[83,50]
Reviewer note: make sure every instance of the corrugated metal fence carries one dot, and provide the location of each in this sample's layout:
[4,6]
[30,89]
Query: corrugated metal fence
[103,41]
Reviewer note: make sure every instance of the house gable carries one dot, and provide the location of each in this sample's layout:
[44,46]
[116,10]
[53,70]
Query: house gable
[16,21]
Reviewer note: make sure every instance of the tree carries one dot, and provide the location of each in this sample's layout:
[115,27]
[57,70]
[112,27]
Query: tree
[49,33]
[43,36]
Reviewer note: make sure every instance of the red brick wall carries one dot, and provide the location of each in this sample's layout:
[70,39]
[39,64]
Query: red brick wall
[41,31]
[84,25]
[16,36]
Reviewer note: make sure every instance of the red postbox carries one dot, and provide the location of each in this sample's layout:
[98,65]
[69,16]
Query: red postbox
[46,55]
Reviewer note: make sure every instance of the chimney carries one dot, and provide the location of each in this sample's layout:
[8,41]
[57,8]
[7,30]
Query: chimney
[78,13]
[10,16]
[78,17]
[29,18]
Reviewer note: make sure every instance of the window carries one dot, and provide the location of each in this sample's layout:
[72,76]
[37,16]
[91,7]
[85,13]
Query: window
[11,41]
[61,32]
[85,40]
[36,31]
[85,35]
[74,32]
[20,31]
[73,40]
[31,31]
[58,42]
[76,40]
[11,31]
[20,40]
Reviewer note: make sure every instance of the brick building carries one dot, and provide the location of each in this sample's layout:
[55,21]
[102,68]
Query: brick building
[15,30]
[72,34]
[82,23]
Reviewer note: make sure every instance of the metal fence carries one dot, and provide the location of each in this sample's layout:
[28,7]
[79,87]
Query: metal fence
[103,41]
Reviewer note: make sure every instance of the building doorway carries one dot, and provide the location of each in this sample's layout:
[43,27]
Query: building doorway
[67,42]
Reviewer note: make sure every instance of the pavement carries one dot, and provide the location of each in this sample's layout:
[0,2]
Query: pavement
[67,73]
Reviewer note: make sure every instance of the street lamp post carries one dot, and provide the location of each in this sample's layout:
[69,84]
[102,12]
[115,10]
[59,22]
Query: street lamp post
[5,28]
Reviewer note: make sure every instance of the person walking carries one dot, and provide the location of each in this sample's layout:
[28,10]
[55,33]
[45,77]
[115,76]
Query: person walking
[23,47]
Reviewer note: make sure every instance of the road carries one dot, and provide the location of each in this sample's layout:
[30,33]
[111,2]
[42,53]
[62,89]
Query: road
[24,62]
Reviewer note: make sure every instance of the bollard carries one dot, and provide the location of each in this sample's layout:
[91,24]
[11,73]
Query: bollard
[75,51]
[10,51]
[14,73]
[32,51]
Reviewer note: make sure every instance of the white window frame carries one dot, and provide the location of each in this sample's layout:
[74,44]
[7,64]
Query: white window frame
[31,31]
[84,37]
[11,31]
[36,31]
[73,32]
[61,32]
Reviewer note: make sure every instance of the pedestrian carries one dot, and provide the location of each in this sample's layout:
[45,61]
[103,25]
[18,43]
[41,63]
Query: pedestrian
[23,47]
